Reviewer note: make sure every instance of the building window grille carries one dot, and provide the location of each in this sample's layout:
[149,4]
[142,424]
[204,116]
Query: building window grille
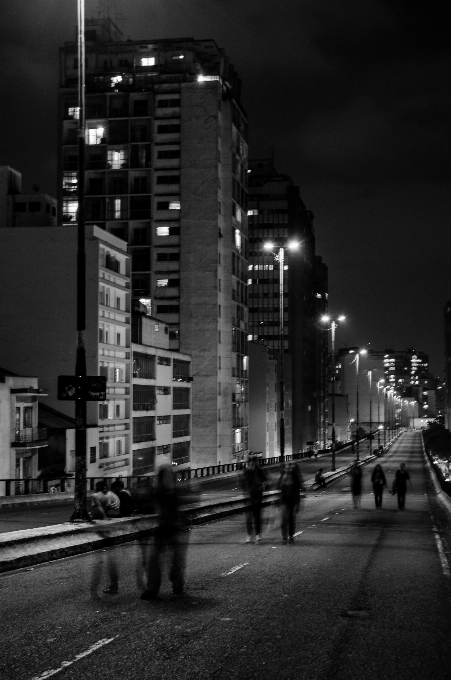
[181,453]
[144,398]
[181,370]
[163,420]
[144,460]
[181,426]
[143,366]
[143,429]
[181,398]
[162,389]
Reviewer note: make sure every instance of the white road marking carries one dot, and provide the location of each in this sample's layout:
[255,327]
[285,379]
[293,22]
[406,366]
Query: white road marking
[65,664]
[232,571]
[323,520]
[298,533]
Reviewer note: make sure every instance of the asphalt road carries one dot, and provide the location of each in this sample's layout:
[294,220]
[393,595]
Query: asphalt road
[208,489]
[362,594]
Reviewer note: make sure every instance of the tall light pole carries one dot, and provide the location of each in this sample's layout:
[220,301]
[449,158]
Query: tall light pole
[280,257]
[370,385]
[357,362]
[379,385]
[80,513]
[333,325]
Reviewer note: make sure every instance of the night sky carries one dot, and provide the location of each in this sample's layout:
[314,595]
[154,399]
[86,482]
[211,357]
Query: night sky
[354,97]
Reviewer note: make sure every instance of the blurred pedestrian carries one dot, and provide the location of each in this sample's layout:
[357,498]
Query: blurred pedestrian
[356,483]
[319,478]
[169,536]
[290,484]
[400,485]
[379,481]
[104,503]
[127,506]
[253,482]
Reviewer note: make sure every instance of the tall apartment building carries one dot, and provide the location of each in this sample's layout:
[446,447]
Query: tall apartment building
[277,214]
[38,319]
[166,170]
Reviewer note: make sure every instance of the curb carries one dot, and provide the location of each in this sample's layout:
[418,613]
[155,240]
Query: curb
[442,496]
[22,549]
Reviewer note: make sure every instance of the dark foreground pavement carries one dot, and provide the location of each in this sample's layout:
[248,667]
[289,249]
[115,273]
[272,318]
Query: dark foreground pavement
[361,595]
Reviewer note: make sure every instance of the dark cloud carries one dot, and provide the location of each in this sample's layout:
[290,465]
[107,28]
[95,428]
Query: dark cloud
[353,96]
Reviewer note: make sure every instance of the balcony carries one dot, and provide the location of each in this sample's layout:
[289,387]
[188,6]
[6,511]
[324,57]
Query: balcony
[30,437]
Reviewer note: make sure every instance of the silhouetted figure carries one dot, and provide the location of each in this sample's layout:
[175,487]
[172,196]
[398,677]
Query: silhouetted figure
[319,478]
[253,481]
[356,483]
[378,480]
[168,536]
[400,485]
[125,498]
[290,484]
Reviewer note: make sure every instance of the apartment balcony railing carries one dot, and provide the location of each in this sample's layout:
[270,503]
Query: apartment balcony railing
[30,435]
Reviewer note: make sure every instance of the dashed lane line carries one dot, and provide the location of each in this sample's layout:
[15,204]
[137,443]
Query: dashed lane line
[326,518]
[232,571]
[82,655]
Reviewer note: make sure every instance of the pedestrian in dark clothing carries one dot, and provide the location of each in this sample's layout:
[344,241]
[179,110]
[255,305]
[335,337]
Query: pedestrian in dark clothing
[168,535]
[356,483]
[400,485]
[125,498]
[253,481]
[378,480]
[319,478]
[290,484]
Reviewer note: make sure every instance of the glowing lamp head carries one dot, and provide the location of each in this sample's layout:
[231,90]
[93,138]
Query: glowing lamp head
[294,245]
[268,246]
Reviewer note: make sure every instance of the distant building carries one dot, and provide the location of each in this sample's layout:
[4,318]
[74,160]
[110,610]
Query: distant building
[166,171]
[21,438]
[39,337]
[23,210]
[264,411]
[57,461]
[277,214]
[161,397]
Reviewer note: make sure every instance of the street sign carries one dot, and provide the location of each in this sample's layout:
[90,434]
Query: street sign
[90,387]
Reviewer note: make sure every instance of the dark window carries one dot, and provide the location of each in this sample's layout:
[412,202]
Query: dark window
[164,361]
[162,389]
[92,454]
[34,206]
[180,452]
[168,179]
[180,397]
[168,309]
[143,365]
[166,448]
[143,429]
[141,260]
[140,286]
[21,207]
[140,107]
[168,103]
[168,153]
[139,185]
[163,420]
[144,461]
[181,369]
[139,208]
[139,237]
[143,397]
[168,128]
[181,425]
[166,257]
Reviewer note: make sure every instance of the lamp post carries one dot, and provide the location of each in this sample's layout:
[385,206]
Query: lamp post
[379,385]
[357,362]
[80,513]
[370,385]
[413,414]
[333,326]
[385,390]
[280,257]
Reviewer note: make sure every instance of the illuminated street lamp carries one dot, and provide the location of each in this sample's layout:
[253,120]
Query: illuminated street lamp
[333,325]
[379,427]
[357,362]
[279,254]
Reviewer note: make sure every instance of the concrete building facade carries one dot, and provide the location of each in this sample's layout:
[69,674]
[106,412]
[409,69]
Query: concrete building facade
[277,214]
[166,170]
[23,210]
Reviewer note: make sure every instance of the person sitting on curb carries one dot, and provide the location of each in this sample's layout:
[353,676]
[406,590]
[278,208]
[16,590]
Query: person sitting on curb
[319,478]
[104,503]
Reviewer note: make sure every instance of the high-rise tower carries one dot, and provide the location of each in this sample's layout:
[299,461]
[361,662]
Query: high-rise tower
[166,170]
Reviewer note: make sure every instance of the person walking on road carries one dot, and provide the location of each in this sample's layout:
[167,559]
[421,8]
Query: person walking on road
[356,483]
[378,480]
[400,485]
[169,535]
[290,484]
[253,481]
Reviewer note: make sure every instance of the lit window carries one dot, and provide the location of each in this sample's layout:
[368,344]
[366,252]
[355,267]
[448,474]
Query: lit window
[94,135]
[237,239]
[70,182]
[117,208]
[204,79]
[252,212]
[74,112]
[148,61]
[238,214]
[250,267]
[162,231]
[174,205]
[161,283]
[249,282]
[116,159]
[115,80]
[179,56]
[70,211]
